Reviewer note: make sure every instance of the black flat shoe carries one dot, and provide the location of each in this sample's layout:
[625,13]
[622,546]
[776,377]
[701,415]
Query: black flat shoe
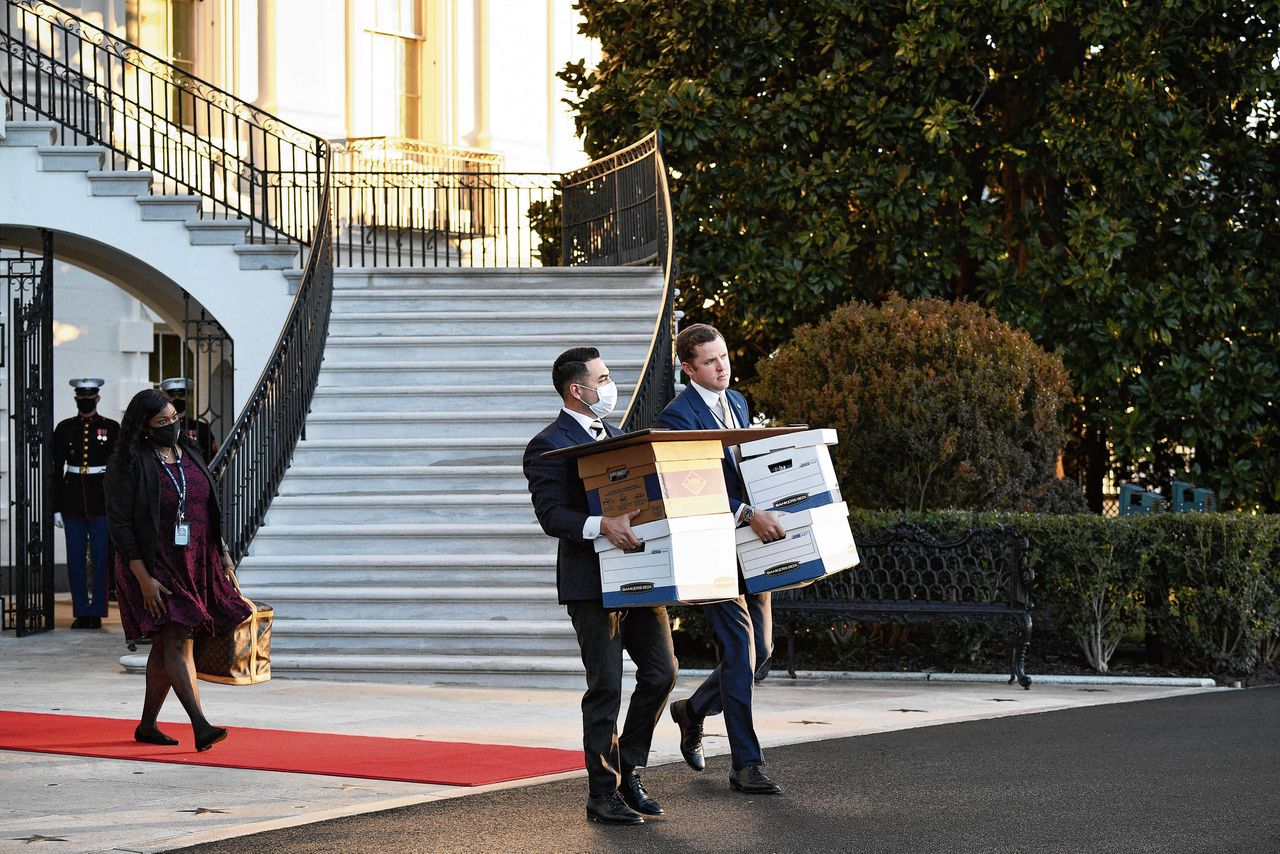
[153,736]
[690,734]
[633,793]
[611,809]
[210,738]
[82,623]
[753,781]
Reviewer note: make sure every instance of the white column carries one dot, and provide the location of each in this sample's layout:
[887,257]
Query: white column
[267,95]
[483,135]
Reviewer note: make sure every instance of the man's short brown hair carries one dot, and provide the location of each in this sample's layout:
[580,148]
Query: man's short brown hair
[693,337]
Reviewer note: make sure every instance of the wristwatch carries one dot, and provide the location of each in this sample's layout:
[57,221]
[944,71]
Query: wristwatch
[747,512]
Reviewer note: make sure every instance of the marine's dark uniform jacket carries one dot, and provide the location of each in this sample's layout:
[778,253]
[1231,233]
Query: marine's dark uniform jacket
[81,447]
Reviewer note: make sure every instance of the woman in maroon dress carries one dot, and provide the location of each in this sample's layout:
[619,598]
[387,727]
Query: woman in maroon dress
[172,568]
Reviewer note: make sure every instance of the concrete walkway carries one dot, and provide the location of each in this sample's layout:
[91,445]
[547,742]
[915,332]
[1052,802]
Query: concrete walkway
[74,804]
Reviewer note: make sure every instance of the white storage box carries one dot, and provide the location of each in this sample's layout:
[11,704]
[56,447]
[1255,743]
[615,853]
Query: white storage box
[686,559]
[818,543]
[800,439]
[790,473]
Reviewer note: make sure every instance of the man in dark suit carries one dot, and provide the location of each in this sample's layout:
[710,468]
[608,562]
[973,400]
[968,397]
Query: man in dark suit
[615,794]
[743,626]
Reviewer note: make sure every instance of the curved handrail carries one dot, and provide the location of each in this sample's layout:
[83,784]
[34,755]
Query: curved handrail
[260,445]
[108,92]
[617,211]
[149,114]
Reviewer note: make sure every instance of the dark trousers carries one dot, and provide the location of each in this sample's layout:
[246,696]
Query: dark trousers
[85,538]
[645,633]
[744,629]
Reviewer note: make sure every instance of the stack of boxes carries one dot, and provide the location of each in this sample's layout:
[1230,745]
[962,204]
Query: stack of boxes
[793,476]
[686,529]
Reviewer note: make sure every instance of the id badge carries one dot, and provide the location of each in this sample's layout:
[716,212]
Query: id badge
[181,534]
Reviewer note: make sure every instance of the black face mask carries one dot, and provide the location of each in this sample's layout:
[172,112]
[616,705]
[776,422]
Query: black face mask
[179,404]
[166,436]
[86,404]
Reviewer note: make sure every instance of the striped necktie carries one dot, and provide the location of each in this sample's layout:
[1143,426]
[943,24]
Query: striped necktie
[597,430]
[726,412]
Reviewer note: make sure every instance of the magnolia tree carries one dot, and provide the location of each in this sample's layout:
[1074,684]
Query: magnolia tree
[1104,175]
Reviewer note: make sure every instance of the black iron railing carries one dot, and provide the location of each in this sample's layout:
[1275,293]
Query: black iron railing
[438,219]
[617,211]
[260,447]
[150,115]
[241,162]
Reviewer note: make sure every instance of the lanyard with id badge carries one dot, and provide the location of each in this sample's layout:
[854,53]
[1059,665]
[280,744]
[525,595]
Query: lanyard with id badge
[181,530]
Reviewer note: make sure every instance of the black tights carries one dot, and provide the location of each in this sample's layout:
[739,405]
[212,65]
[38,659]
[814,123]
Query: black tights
[170,665]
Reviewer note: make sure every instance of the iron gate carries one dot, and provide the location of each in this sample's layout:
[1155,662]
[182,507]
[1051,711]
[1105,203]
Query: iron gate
[26,585]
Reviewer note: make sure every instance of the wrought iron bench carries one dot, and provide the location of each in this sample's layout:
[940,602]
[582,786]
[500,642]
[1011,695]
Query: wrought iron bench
[908,576]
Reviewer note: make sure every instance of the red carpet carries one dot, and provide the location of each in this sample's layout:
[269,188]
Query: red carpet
[408,760]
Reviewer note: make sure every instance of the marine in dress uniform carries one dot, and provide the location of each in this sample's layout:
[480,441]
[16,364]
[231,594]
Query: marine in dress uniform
[199,432]
[82,445]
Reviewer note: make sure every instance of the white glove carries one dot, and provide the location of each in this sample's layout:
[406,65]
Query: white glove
[57,519]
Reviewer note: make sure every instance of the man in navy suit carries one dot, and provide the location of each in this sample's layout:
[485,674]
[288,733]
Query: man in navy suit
[615,794]
[743,626]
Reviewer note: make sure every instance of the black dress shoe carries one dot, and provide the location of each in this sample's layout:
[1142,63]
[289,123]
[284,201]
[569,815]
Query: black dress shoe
[152,736]
[632,791]
[209,738]
[753,781]
[690,734]
[95,622]
[611,809]
[82,623]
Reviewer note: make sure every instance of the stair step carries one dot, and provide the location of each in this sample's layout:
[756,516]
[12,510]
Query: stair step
[71,158]
[489,401]
[399,570]
[399,509]
[528,279]
[537,349]
[585,321]
[421,425]
[383,300]
[131,183]
[349,451]
[169,208]
[218,232]
[267,256]
[403,603]
[443,538]
[340,374]
[30,134]
[351,480]
[438,637]
[498,671]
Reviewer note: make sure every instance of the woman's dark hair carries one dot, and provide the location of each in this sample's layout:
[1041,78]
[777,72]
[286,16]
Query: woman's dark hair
[133,428]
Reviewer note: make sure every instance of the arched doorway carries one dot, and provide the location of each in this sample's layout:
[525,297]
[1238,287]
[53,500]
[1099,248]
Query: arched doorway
[63,315]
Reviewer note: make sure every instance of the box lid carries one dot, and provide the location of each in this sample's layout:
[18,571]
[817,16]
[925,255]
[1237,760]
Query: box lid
[800,519]
[660,528]
[637,456]
[803,439]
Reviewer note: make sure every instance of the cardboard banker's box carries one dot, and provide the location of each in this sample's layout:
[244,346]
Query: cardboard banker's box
[689,559]
[667,479]
[790,473]
[818,543]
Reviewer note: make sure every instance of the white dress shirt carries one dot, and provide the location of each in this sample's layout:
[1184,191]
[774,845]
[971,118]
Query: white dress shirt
[591,528]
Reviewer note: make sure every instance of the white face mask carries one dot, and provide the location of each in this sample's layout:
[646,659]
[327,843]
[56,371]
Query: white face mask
[606,399]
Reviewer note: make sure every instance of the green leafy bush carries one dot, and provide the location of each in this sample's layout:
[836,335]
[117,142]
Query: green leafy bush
[937,404]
